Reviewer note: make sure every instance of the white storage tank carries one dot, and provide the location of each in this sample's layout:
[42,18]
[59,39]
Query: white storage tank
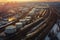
[28,17]
[23,21]
[28,20]
[19,25]
[10,29]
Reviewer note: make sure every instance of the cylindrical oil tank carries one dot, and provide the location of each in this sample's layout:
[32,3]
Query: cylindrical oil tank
[23,21]
[28,17]
[28,20]
[10,30]
[19,25]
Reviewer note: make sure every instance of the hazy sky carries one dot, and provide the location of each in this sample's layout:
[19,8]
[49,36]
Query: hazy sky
[29,0]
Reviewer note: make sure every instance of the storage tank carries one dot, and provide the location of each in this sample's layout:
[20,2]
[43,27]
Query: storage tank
[28,19]
[10,30]
[19,25]
[23,21]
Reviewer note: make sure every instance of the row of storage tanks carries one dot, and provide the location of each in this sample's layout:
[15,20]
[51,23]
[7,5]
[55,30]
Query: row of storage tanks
[22,22]
[12,29]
